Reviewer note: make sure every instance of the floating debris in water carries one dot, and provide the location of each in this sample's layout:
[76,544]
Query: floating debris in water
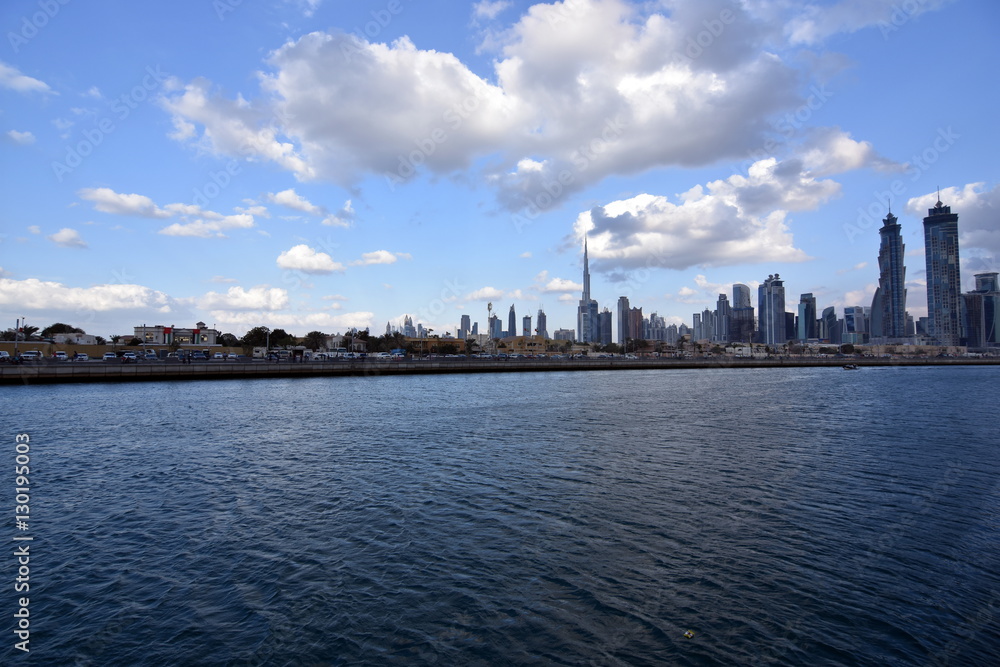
[689,633]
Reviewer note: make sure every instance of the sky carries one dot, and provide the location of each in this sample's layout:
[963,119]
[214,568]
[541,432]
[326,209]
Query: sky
[324,164]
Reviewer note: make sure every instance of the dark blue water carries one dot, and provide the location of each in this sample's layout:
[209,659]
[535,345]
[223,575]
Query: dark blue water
[785,516]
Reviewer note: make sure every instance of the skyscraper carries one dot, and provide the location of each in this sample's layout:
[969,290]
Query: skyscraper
[741,296]
[587,326]
[722,314]
[511,322]
[542,324]
[982,311]
[807,317]
[889,307]
[771,313]
[623,310]
[604,321]
[526,325]
[944,280]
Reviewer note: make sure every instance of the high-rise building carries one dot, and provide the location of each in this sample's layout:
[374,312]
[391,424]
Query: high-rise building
[464,327]
[635,324]
[605,324]
[944,279]
[623,310]
[586,315]
[855,326]
[696,333]
[982,311]
[741,296]
[542,324]
[511,322]
[807,317]
[889,305]
[771,314]
[832,328]
[526,325]
[723,313]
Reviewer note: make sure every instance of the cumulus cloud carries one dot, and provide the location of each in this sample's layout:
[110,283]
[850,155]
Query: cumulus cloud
[293,200]
[738,220]
[21,138]
[196,221]
[107,200]
[236,298]
[12,79]
[832,151]
[211,225]
[68,238]
[34,294]
[489,10]
[556,284]
[306,259]
[380,257]
[485,294]
[327,321]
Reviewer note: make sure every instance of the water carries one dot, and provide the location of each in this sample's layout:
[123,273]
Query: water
[782,516]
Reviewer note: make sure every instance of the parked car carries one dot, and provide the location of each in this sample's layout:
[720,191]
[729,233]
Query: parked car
[81,356]
[59,355]
[151,356]
[31,355]
[110,356]
[219,356]
[199,356]
[4,355]
[129,358]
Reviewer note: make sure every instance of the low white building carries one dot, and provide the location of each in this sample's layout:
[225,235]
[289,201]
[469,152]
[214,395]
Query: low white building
[74,339]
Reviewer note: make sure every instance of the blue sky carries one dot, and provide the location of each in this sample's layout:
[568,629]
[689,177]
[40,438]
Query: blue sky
[320,164]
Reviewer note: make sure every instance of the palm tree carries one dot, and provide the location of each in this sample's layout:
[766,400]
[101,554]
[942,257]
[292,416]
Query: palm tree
[114,342]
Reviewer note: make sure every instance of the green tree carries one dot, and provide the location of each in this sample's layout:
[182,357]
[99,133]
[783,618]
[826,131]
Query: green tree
[114,341]
[229,340]
[135,342]
[256,337]
[100,340]
[315,340]
[281,338]
[847,348]
[60,328]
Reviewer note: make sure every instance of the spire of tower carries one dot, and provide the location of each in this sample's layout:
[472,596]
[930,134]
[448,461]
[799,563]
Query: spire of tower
[586,271]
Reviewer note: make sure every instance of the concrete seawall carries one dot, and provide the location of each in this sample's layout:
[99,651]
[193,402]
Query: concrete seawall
[54,372]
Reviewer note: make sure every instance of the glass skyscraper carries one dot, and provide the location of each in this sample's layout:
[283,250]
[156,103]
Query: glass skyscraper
[944,279]
[889,307]
[771,310]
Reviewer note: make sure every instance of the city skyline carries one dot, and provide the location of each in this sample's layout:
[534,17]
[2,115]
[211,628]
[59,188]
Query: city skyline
[315,166]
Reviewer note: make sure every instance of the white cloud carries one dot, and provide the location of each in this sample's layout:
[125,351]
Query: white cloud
[817,22]
[295,201]
[34,229]
[832,151]
[12,79]
[21,138]
[297,323]
[212,225]
[107,200]
[739,220]
[556,284]
[380,257]
[68,238]
[487,10]
[223,280]
[94,92]
[34,294]
[236,298]
[485,294]
[305,259]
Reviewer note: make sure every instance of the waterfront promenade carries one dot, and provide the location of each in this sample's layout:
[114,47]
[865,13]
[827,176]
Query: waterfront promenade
[48,372]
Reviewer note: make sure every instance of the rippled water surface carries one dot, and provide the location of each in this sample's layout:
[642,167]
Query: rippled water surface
[778,516]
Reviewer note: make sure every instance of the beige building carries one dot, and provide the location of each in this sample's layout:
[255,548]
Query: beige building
[160,335]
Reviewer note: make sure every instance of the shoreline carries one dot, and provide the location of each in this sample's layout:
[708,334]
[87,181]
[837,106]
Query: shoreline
[71,372]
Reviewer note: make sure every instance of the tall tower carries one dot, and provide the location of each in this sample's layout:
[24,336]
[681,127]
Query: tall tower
[587,325]
[807,317]
[891,281]
[623,311]
[723,313]
[771,302]
[542,324]
[944,280]
[511,322]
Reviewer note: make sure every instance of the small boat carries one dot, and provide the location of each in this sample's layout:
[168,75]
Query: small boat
[851,367]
